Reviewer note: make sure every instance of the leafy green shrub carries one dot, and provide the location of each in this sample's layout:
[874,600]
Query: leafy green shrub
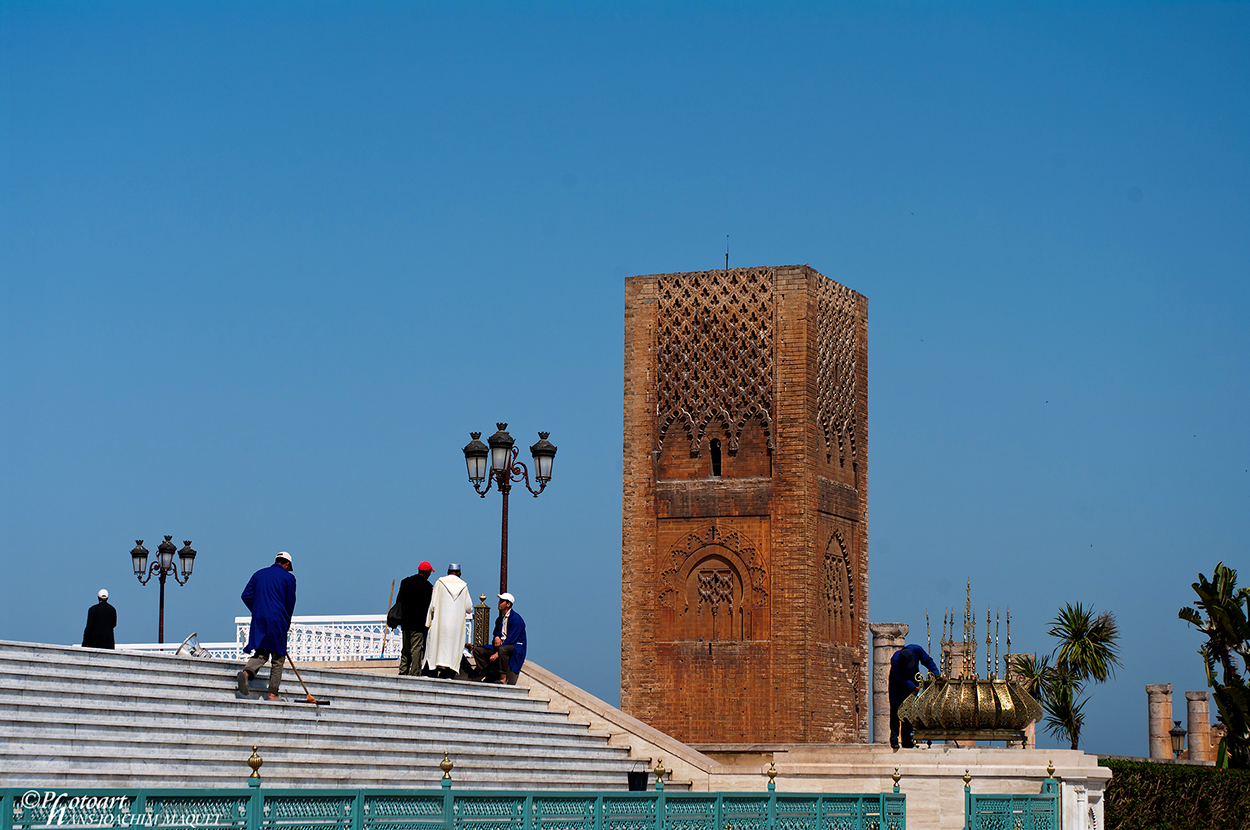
[1144,796]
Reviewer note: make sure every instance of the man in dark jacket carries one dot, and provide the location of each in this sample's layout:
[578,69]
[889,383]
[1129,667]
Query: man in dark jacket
[270,596]
[101,620]
[414,602]
[903,668]
[505,656]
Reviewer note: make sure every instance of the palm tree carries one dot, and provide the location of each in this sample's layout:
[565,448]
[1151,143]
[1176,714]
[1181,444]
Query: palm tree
[1088,649]
[1088,646]
[1065,707]
[1227,628]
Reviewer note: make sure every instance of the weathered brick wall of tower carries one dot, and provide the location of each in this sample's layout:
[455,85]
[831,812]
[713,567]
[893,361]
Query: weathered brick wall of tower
[745,510]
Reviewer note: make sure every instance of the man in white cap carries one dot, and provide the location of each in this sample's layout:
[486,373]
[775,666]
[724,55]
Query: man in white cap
[270,596]
[444,622]
[505,655]
[101,620]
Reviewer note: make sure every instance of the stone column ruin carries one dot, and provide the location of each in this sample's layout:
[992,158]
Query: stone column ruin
[1159,712]
[887,638]
[1198,720]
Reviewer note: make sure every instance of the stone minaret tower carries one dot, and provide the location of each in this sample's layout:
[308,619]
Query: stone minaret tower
[744,566]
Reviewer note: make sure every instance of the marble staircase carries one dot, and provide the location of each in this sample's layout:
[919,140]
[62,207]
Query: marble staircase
[94,718]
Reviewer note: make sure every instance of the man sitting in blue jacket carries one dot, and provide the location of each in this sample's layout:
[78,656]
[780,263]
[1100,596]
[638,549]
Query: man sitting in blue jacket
[505,655]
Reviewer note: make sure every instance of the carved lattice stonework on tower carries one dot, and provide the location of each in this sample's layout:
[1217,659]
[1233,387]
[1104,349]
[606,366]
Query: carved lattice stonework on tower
[714,583]
[837,593]
[744,550]
[835,370]
[714,358]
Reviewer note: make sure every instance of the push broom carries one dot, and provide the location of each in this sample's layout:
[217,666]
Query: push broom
[311,699]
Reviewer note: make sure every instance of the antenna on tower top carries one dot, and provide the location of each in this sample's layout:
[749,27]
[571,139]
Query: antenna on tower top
[726,252]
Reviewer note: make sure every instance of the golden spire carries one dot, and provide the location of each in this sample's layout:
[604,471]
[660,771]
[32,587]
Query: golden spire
[987,644]
[1007,657]
[997,620]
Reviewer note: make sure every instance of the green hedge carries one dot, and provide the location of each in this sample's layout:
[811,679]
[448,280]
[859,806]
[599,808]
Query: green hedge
[1144,796]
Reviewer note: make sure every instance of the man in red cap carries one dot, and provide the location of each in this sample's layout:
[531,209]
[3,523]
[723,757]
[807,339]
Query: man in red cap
[414,602]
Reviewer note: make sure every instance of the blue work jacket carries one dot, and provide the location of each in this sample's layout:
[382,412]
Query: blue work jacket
[515,638]
[270,596]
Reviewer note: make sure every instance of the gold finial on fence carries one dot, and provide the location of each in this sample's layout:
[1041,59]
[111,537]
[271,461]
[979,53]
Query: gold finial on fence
[659,770]
[967,778]
[771,772]
[1050,768]
[896,776]
[446,765]
[254,762]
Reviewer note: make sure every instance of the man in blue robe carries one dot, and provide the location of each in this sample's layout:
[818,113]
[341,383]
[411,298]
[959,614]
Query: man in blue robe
[270,596]
[903,668]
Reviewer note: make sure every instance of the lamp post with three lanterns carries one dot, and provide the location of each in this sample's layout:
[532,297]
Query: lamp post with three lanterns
[503,470]
[164,565]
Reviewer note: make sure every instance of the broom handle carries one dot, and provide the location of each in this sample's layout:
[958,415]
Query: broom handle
[291,660]
[385,630]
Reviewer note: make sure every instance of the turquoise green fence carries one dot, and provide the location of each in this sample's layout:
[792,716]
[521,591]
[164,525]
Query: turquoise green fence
[258,808]
[1013,812]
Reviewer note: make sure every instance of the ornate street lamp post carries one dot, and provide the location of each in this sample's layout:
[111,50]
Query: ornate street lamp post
[164,565]
[498,462]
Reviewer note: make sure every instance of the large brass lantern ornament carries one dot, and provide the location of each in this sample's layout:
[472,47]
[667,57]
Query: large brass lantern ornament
[969,708]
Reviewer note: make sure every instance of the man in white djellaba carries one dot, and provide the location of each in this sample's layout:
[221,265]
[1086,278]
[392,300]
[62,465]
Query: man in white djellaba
[450,606]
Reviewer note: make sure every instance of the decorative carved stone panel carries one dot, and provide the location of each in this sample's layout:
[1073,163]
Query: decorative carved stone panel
[837,597]
[836,348]
[713,583]
[714,354]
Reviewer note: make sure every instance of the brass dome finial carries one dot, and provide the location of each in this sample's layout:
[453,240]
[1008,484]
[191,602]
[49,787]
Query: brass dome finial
[896,776]
[446,764]
[771,772]
[1050,768]
[254,762]
[659,769]
[967,778]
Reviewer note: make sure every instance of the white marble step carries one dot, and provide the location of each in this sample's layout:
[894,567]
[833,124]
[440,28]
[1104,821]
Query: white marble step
[183,676]
[378,695]
[74,725]
[84,717]
[142,709]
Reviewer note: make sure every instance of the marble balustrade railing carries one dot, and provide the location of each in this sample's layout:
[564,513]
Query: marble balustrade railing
[329,638]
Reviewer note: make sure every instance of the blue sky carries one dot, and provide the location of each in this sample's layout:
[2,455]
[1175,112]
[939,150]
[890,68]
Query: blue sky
[264,266]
